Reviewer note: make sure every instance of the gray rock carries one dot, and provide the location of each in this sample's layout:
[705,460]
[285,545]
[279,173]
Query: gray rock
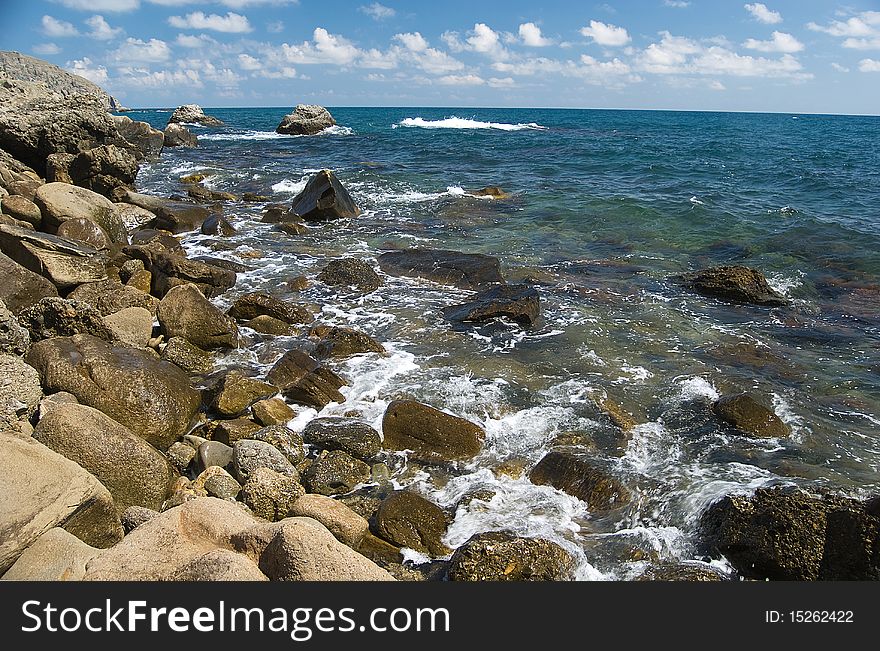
[347,434]
[351,272]
[463,270]
[324,198]
[181,455]
[216,482]
[134,217]
[61,317]
[55,80]
[270,494]
[104,169]
[50,402]
[14,338]
[306,120]
[193,114]
[20,392]
[215,453]
[286,441]
[185,312]
[334,473]
[249,454]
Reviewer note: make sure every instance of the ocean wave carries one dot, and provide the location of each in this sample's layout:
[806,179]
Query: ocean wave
[463,123]
[293,187]
[247,135]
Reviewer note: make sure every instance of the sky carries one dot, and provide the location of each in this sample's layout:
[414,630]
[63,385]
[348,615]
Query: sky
[804,56]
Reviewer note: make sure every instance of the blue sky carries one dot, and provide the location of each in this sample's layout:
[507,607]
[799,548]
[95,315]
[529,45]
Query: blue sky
[798,56]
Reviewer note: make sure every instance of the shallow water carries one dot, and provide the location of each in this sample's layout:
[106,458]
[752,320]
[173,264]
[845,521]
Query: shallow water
[606,206]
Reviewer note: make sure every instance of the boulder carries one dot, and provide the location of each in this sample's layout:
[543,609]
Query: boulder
[581,478]
[341,342]
[324,198]
[21,287]
[110,296]
[151,242]
[177,135]
[102,169]
[234,393]
[53,401]
[463,270]
[270,494]
[491,191]
[693,571]
[43,490]
[217,225]
[14,338]
[181,455]
[187,356]
[305,381]
[133,326]
[154,399]
[62,317]
[180,217]
[135,473]
[407,519]
[22,209]
[273,411]
[146,142]
[286,441]
[20,392]
[733,283]
[519,303]
[134,217]
[335,472]
[62,201]
[347,434]
[185,312]
[55,556]
[255,304]
[502,556]
[135,516]
[351,272]
[348,527]
[193,114]
[748,415]
[268,325]
[230,431]
[64,262]
[215,453]
[200,193]
[249,454]
[306,120]
[85,232]
[431,435]
[170,270]
[216,482]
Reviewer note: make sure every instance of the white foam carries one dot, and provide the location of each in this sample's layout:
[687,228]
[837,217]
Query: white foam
[784,284]
[293,187]
[247,135]
[697,388]
[696,201]
[463,123]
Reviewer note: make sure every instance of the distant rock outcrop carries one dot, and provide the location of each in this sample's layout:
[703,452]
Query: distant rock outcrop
[306,120]
[193,114]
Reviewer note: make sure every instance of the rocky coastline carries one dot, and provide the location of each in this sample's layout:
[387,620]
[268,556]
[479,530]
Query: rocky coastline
[130,454]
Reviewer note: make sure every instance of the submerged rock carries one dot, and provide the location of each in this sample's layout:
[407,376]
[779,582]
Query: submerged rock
[745,413]
[324,198]
[306,120]
[581,478]
[351,272]
[463,270]
[520,303]
[733,283]
[256,304]
[347,434]
[341,342]
[432,435]
[502,556]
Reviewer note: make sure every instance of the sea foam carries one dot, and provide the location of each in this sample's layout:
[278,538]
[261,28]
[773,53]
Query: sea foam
[463,123]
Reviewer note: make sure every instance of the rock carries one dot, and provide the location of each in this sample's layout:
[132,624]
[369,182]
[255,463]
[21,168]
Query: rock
[217,225]
[55,556]
[248,455]
[581,478]
[22,288]
[102,169]
[85,232]
[348,527]
[61,317]
[64,262]
[185,312]
[170,270]
[22,209]
[154,399]
[268,325]
[135,516]
[501,556]
[180,217]
[335,472]
[25,187]
[60,202]
[270,494]
[491,191]
[333,433]
[153,242]
[20,392]
[134,217]
[286,441]
[681,572]
[620,418]
[110,296]
[206,195]
[745,413]
[305,381]
[48,403]
[351,272]
[177,135]
[431,435]
[306,120]
[193,114]
[198,177]
[378,550]
[181,455]
[463,270]
[230,431]
[255,304]
[216,482]
[128,270]
[135,473]
[42,490]
[133,326]
[324,198]
[273,411]
[146,142]
[340,342]
[733,283]
[519,303]
[297,283]
[409,520]
[234,393]
[14,338]
[215,453]
[55,80]
[292,228]
[187,356]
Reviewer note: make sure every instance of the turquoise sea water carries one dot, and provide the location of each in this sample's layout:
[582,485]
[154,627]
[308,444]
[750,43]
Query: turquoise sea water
[605,207]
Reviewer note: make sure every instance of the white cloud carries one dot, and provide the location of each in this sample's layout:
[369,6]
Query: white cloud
[85,68]
[414,42]
[436,62]
[232,4]
[485,40]
[46,49]
[247,62]
[869,65]
[377,11]
[194,42]
[135,50]
[779,42]
[461,80]
[762,14]
[324,48]
[716,85]
[275,27]
[607,35]
[101,30]
[839,67]
[612,74]
[55,28]
[676,4]
[143,78]
[231,23]
[531,35]
[102,5]
[503,82]
[860,32]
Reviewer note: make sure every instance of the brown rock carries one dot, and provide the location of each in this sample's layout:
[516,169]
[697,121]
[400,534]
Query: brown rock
[581,478]
[431,435]
[745,413]
[407,519]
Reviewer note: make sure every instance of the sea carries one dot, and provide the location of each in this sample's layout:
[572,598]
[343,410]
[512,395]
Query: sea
[605,209]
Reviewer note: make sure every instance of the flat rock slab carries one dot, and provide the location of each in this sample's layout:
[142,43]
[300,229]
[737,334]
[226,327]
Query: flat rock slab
[735,283]
[64,262]
[519,303]
[463,270]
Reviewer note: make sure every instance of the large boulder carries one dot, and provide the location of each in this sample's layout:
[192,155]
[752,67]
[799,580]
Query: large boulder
[62,201]
[22,209]
[132,325]
[102,169]
[463,270]
[519,303]
[146,142]
[62,317]
[187,356]
[55,80]
[14,338]
[20,392]
[334,473]
[55,556]
[407,519]
[177,135]
[347,434]
[341,342]
[135,473]
[234,393]
[582,478]
[748,415]
[286,441]
[111,296]
[180,216]
[431,435]
[42,490]
[734,283]
[348,527]
[303,380]
[193,114]
[256,304]
[64,262]
[502,556]
[350,272]
[85,232]
[324,198]
[168,270]
[21,287]
[154,399]
[185,312]
[306,120]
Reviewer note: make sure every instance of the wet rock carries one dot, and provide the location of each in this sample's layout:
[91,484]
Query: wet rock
[407,519]
[519,303]
[352,436]
[22,209]
[379,551]
[249,454]
[154,399]
[491,191]
[306,120]
[431,435]
[351,272]
[14,338]
[55,556]
[273,411]
[348,527]
[230,431]
[256,304]
[42,490]
[619,417]
[286,441]
[101,169]
[61,317]
[20,392]
[217,225]
[187,356]
[193,114]
[681,572]
[180,217]
[292,227]
[170,270]
[22,288]
[501,556]
[64,262]
[268,325]
[335,472]
[177,135]
[215,453]
[153,242]
[303,380]
[110,296]
[60,202]
[582,478]
[463,270]
[745,413]
[135,473]
[234,393]
[324,198]
[133,326]
[270,494]
[185,312]
[181,455]
[733,283]
[340,342]
[85,232]
[146,141]
[135,516]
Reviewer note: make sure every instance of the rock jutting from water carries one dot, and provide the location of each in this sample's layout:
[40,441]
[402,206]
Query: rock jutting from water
[733,283]
[306,120]
[324,198]
[193,114]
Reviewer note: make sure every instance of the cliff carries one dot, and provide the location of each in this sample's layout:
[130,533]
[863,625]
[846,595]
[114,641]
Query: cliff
[14,65]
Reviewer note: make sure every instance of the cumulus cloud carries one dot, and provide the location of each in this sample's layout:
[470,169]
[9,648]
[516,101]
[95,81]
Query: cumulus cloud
[102,5]
[194,42]
[85,68]
[612,74]
[46,49]
[502,82]
[55,28]
[531,35]
[323,48]
[461,80]
[377,11]
[607,35]
[231,23]
[762,14]
[860,32]
[414,41]
[839,67]
[482,39]
[134,50]
[676,4]
[869,65]
[779,42]
[143,78]
[101,30]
